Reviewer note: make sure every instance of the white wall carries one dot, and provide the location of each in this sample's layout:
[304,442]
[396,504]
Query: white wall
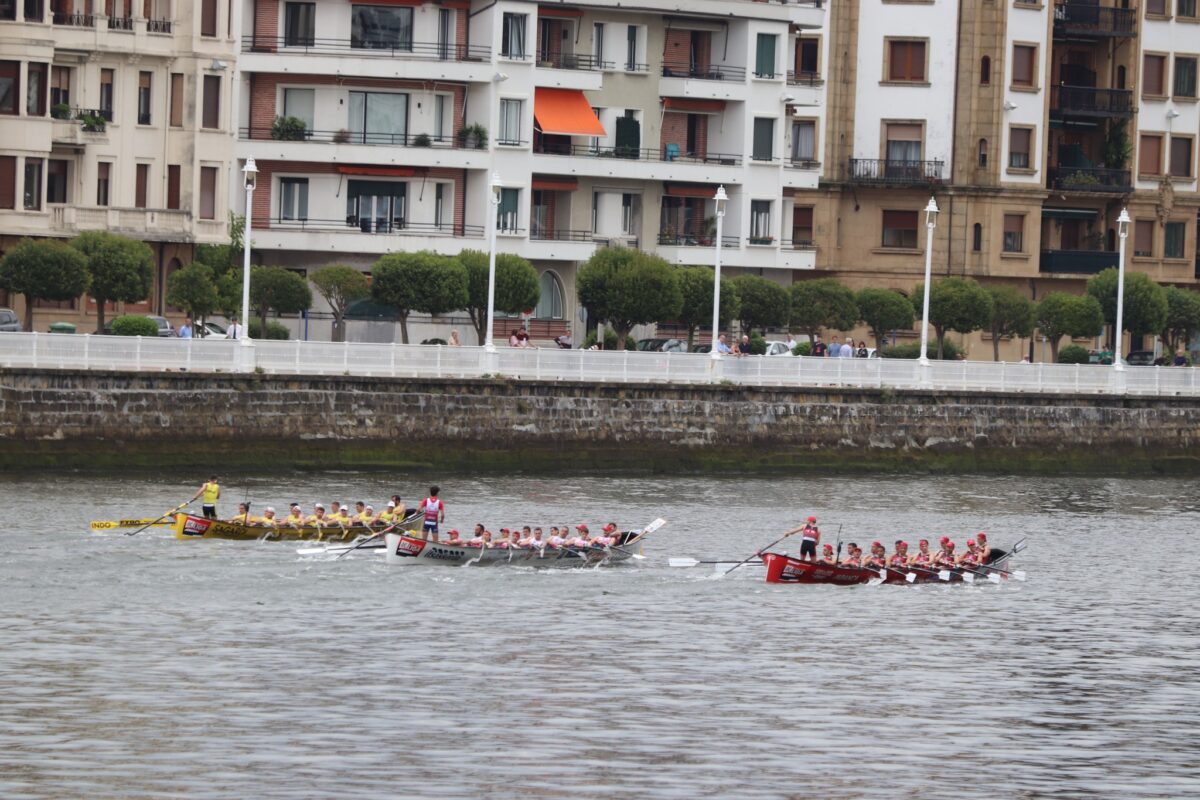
[1025,25]
[1168,37]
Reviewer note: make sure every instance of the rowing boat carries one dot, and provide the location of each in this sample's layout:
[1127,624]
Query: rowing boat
[782,568]
[188,526]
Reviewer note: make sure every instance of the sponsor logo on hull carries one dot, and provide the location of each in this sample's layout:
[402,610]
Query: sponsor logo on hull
[195,526]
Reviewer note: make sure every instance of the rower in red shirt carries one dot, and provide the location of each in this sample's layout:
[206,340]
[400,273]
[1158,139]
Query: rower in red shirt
[985,551]
[853,557]
[878,557]
[945,557]
[810,537]
[827,554]
[899,559]
[971,557]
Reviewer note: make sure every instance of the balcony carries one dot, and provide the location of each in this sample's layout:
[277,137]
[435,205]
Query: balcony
[1087,21]
[120,24]
[1076,262]
[571,61]
[364,235]
[637,154]
[804,78]
[162,26]
[1090,180]
[398,226]
[669,238]
[1068,102]
[436,51]
[344,136]
[710,72]
[891,172]
[143,222]
[72,20]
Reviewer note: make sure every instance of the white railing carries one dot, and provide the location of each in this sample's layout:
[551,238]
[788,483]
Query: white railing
[64,351]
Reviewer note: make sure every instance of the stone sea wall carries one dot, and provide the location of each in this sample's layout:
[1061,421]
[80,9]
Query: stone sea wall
[104,420]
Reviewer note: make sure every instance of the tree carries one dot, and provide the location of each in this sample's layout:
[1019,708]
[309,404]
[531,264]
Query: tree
[625,287]
[696,288]
[193,289]
[46,269]
[822,303]
[517,287]
[883,310]
[278,289]
[1012,315]
[1145,302]
[340,286]
[422,281]
[955,304]
[761,303]
[1183,317]
[120,269]
[1060,314]
[593,276]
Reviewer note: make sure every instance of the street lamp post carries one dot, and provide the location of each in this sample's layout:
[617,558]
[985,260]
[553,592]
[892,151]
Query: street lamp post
[931,212]
[494,197]
[1119,330]
[250,176]
[719,199]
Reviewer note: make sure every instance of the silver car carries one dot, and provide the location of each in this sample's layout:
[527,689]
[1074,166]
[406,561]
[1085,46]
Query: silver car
[9,321]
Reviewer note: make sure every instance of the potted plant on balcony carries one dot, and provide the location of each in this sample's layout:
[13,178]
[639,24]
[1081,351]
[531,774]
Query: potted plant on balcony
[60,111]
[92,123]
[1117,147]
[473,136]
[288,129]
[341,137]
[422,140]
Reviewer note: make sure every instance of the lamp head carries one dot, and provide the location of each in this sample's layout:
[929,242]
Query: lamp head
[1123,223]
[931,212]
[250,173]
[1172,113]
[1009,105]
[499,77]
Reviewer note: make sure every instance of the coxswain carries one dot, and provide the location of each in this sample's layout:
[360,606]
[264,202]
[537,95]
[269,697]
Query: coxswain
[435,513]
[243,515]
[878,557]
[853,556]
[899,558]
[295,517]
[454,538]
[210,491]
[556,540]
[921,558]
[827,554]
[581,537]
[985,551]
[318,517]
[810,537]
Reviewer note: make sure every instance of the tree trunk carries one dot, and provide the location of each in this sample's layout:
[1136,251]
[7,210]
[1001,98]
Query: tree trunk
[812,339]
[692,338]
[29,300]
[1054,340]
[262,323]
[995,345]
[941,337]
[339,328]
[404,327]
[878,345]
[622,335]
[478,322]
[99,315]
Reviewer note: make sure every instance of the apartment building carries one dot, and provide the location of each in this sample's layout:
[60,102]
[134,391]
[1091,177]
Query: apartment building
[603,124]
[1032,125]
[116,116]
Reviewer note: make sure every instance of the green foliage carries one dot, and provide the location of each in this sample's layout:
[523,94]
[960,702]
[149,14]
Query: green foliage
[473,135]
[223,258]
[422,140]
[422,281]
[45,269]
[1060,314]
[120,268]
[1183,317]
[1012,315]
[60,111]
[696,288]
[134,325]
[883,310]
[758,345]
[1117,145]
[278,289]
[822,303]
[610,340]
[626,287]
[1073,354]
[288,129]
[802,349]
[1145,301]
[955,304]
[275,330]
[761,303]
[950,351]
[340,285]
[92,123]
[517,287]
[193,289]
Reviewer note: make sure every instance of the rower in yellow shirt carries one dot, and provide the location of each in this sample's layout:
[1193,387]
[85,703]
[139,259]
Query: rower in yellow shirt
[367,517]
[388,515]
[243,515]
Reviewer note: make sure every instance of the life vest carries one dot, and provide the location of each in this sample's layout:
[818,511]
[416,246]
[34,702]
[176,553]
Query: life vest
[897,560]
[211,491]
[810,534]
[921,558]
[432,507]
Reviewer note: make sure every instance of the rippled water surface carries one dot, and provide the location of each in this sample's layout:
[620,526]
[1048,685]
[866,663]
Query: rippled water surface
[142,666]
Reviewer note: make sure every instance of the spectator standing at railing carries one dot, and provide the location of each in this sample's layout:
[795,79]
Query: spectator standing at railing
[185,330]
[847,348]
[722,345]
[819,350]
[234,331]
[835,348]
[791,341]
[744,347]
[454,340]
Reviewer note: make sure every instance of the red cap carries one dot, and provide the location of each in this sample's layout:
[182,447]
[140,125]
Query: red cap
[982,536]
[812,519]
[970,542]
[581,527]
[876,544]
[902,544]
[950,545]
[609,528]
[504,530]
[454,533]
[944,539]
[828,548]
[924,541]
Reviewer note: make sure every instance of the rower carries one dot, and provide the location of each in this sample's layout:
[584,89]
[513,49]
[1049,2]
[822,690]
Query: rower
[971,557]
[945,556]
[505,539]
[556,540]
[827,554]
[367,517]
[878,557]
[211,492]
[343,517]
[397,505]
[388,515]
[435,512]
[295,517]
[318,517]
[243,515]
[922,558]
[477,540]
[614,535]
[268,518]
[810,537]
[581,537]
[853,556]
[899,559]
[454,538]
[985,551]
[537,542]
[360,508]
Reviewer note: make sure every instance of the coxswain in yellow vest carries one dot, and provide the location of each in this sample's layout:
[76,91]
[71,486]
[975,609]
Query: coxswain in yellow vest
[210,492]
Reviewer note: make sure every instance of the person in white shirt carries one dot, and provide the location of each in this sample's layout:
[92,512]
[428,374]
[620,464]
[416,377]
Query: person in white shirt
[234,331]
[556,541]
[526,537]
[537,543]
[847,348]
[581,537]
[791,341]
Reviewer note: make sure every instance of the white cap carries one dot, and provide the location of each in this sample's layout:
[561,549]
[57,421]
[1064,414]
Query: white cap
[269,509]
[345,508]
[370,508]
[318,505]
[391,503]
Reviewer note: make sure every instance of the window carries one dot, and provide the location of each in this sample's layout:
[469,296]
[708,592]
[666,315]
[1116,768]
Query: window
[539,214]
[595,212]
[1150,146]
[10,75]
[598,43]
[903,143]
[512,35]
[983,154]
[60,86]
[631,48]
[144,86]
[56,181]
[507,211]
[141,186]
[378,206]
[208,17]
[35,89]
[1173,236]
[1019,147]
[103,182]
[1156,8]
[379,117]
[439,205]
[35,11]
[802,225]
[1185,8]
[808,63]
[1014,233]
[764,139]
[510,122]
[550,302]
[445,33]
[764,60]
[977,237]
[293,198]
[1185,76]
[1024,66]
[212,102]
[693,134]
[629,214]
[33,184]
[173,186]
[8,9]
[381,27]
[299,24]
[107,78]
[760,222]
[900,229]
[985,70]
[906,60]
[440,128]
[1143,238]
[298,103]
[176,99]
[8,181]
[1154,71]
[208,193]
[1181,157]
[804,142]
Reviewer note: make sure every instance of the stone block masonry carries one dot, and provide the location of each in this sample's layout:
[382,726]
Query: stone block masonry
[107,420]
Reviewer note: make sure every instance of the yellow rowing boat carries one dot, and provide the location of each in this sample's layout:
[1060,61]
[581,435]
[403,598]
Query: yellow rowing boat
[188,526]
[113,524]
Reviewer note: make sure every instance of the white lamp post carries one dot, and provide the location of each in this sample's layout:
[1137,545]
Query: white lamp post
[489,343]
[250,175]
[719,199]
[1118,332]
[931,212]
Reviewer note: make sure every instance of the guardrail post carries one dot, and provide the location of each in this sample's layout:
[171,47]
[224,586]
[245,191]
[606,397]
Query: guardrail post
[1077,366]
[33,358]
[87,341]
[297,349]
[1041,369]
[137,354]
[346,357]
[1158,380]
[1003,375]
[393,358]
[438,361]
[537,364]
[624,366]
[760,363]
[668,377]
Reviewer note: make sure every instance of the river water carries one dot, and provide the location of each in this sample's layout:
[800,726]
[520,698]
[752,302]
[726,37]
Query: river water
[144,667]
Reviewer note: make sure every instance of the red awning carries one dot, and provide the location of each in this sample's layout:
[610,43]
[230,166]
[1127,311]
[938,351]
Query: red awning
[692,105]
[555,184]
[690,190]
[565,112]
[464,5]
[379,172]
[557,11]
[397,2]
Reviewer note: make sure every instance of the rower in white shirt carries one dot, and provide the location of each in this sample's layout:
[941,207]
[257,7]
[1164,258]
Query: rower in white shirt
[555,541]
[581,537]
[526,539]
[537,542]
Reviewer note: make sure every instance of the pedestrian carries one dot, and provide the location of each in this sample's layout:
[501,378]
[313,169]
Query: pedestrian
[454,340]
[1180,358]
[185,330]
[234,331]
[835,349]
[819,349]
[847,348]
[862,350]
[744,347]
[791,342]
[435,513]
[722,345]
[514,338]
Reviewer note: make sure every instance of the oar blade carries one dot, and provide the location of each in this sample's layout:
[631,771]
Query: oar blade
[944,575]
[993,577]
[968,577]
[911,577]
[1018,574]
[683,562]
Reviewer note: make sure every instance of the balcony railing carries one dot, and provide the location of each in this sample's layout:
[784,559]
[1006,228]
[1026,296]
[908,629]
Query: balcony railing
[637,154]
[120,23]
[804,78]
[398,226]
[344,136]
[802,163]
[571,61]
[1078,262]
[712,72]
[561,235]
[1089,179]
[672,239]
[1093,21]
[1083,101]
[158,26]
[437,51]
[893,172]
[75,20]
[798,244]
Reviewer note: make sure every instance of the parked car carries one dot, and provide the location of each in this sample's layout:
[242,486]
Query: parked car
[778,349]
[165,328]
[662,345]
[1140,358]
[9,321]
[210,330]
[703,348]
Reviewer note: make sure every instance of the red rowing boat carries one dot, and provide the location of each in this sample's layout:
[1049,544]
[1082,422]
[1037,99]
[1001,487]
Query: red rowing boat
[782,568]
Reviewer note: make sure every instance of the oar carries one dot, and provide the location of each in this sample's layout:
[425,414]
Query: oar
[109,524]
[760,552]
[160,519]
[368,539]
[646,531]
[1019,574]
[694,562]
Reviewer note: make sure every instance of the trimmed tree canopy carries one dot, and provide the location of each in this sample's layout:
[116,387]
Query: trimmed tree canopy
[761,303]
[193,289]
[517,287]
[1183,316]
[120,268]
[423,281]
[1060,314]
[278,289]
[625,287]
[340,285]
[1012,315]
[1145,308]
[822,303]
[883,310]
[45,269]
[696,288]
[955,304]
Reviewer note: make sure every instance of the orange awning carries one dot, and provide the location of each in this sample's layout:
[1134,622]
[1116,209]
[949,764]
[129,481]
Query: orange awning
[555,184]
[381,172]
[565,112]
[557,11]
[693,105]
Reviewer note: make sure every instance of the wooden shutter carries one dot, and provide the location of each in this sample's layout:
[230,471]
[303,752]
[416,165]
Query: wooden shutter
[8,181]
[1150,155]
[212,102]
[176,100]
[173,186]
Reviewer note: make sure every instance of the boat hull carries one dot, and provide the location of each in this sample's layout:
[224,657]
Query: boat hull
[188,526]
[783,568]
[407,550]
